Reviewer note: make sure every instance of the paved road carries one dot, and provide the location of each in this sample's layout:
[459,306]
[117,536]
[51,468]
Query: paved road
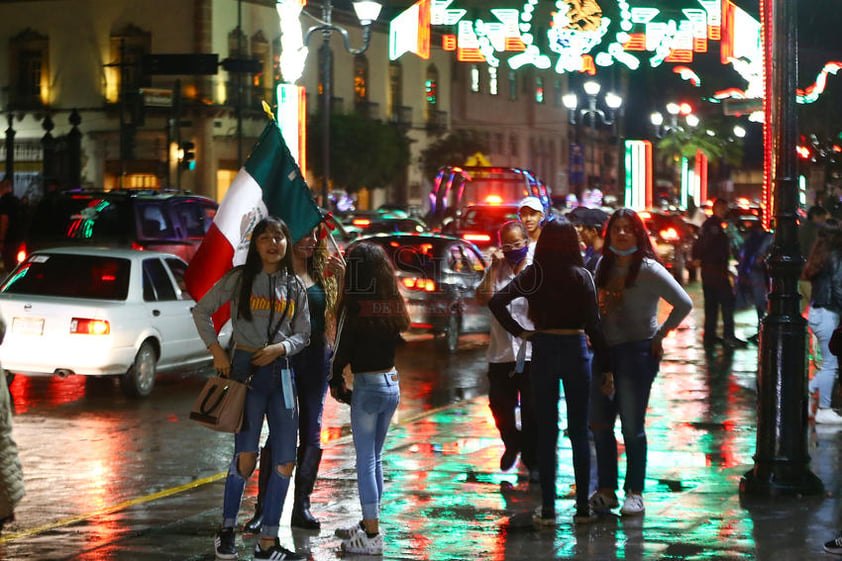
[114,479]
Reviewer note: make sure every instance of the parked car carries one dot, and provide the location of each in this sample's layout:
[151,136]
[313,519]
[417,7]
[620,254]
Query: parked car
[173,222]
[672,239]
[438,278]
[100,312]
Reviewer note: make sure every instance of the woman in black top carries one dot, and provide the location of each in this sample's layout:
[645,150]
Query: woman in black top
[372,315]
[563,306]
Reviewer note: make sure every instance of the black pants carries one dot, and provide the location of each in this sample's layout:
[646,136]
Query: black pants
[505,391]
[719,295]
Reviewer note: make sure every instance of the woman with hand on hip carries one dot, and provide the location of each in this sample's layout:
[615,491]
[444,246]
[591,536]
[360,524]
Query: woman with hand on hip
[319,273]
[271,322]
[563,307]
[630,283]
[372,316]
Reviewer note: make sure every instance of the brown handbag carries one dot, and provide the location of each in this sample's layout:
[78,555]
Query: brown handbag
[220,404]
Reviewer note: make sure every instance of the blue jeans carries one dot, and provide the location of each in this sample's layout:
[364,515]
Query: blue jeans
[265,398]
[311,368]
[822,322]
[635,368]
[373,402]
[565,358]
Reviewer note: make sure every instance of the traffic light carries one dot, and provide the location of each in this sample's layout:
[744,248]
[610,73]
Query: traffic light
[188,156]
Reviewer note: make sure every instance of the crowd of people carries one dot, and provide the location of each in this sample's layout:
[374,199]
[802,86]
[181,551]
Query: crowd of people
[574,305]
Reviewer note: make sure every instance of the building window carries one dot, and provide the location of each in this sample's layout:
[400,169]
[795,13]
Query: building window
[127,50]
[557,93]
[431,93]
[360,79]
[492,81]
[513,151]
[261,85]
[29,72]
[395,89]
[512,85]
[475,73]
[539,89]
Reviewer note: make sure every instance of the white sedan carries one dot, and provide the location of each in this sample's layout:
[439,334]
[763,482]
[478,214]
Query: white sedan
[100,312]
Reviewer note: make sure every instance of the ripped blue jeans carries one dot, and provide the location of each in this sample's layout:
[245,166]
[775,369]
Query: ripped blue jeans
[265,398]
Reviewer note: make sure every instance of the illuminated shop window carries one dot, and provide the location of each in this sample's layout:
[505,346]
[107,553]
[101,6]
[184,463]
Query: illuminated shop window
[492,81]
[475,78]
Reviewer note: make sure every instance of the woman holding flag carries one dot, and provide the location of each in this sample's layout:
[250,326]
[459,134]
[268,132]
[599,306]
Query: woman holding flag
[271,322]
[320,273]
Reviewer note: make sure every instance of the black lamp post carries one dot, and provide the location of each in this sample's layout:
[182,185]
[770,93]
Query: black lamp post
[367,12]
[781,460]
[591,111]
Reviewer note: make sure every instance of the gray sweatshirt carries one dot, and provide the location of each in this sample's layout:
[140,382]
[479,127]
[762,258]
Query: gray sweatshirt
[632,315]
[294,332]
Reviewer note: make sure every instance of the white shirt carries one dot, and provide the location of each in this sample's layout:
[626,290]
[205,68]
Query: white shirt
[502,345]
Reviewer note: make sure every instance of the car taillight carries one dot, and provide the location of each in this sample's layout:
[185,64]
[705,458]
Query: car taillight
[476,237]
[361,222]
[412,283]
[669,234]
[85,326]
[21,254]
[136,245]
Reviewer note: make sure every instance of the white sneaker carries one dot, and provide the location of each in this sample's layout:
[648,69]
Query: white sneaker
[348,531]
[361,543]
[633,505]
[826,415]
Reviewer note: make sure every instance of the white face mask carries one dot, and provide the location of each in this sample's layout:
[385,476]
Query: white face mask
[624,253]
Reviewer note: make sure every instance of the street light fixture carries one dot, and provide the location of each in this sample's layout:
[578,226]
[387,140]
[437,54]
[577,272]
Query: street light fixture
[591,111]
[367,12]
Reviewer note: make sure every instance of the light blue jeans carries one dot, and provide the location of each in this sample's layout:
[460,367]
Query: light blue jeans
[822,322]
[373,402]
[265,398]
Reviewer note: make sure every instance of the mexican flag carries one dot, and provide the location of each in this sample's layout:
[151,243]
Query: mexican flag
[269,184]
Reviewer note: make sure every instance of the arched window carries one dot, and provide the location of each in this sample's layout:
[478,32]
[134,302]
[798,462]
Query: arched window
[431,93]
[128,47]
[30,70]
[360,79]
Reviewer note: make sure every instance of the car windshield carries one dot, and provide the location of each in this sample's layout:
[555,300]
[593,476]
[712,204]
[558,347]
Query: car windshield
[74,276]
[488,218]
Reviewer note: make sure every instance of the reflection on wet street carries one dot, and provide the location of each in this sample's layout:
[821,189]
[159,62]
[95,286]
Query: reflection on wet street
[110,478]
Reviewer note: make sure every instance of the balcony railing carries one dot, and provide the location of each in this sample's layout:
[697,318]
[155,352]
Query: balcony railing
[368,109]
[436,122]
[401,117]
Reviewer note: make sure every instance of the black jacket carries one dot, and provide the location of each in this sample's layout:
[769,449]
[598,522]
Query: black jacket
[827,285]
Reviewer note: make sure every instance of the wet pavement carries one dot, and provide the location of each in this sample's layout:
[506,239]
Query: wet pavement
[445,497]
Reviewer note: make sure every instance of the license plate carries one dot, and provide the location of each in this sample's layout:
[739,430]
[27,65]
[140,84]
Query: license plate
[28,326]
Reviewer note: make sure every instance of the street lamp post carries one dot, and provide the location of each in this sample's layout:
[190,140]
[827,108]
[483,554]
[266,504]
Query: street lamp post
[367,12]
[591,111]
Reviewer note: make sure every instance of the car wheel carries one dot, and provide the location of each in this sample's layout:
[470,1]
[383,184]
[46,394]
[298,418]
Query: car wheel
[140,378]
[449,339]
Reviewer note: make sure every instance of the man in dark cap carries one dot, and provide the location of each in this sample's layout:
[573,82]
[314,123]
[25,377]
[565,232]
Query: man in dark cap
[590,223]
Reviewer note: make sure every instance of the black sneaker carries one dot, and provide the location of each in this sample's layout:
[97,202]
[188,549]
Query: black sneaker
[834,546]
[508,459]
[275,553]
[224,545]
[734,343]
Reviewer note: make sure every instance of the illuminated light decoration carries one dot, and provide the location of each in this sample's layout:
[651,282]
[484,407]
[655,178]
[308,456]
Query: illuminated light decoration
[410,31]
[636,42]
[441,15]
[700,45]
[688,181]
[468,49]
[588,65]
[292,120]
[638,191]
[571,43]
[515,44]
[449,42]
[688,74]
[680,55]
[293,51]
[532,55]
[700,192]
[811,93]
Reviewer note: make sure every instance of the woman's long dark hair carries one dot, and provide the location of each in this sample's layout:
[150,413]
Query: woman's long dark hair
[557,255]
[370,296]
[609,258]
[254,264]
[828,240]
